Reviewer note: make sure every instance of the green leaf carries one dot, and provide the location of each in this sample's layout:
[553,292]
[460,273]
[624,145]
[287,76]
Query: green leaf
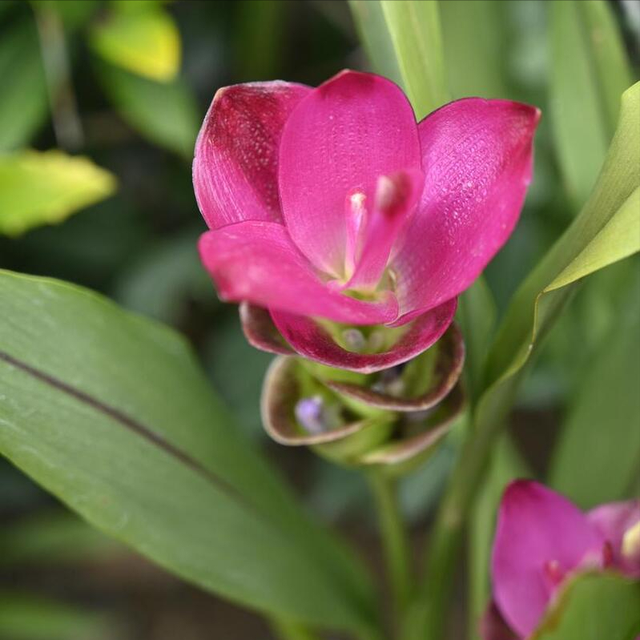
[110,413]
[589,72]
[477,315]
[619,238]
[415,33]
[144,42]
[412,31]
[24,104]
[51,538]
[164,112]
[598,455]
[474,34]
[259,38]
[374,35]
[594,607]
[39,188]
[26,617]
[74,15]
[586,245]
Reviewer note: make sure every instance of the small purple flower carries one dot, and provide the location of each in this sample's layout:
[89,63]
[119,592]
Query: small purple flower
[542,539]
[332,203]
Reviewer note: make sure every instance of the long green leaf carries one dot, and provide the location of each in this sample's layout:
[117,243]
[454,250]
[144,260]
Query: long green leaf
[109,412]
[416,36]
[598,455]
[24,103]
[474,35]
[404,36]
[374,34]
[579,251]
[588,74]
[594,606]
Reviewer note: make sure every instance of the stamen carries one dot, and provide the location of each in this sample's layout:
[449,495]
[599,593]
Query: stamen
[356,214]
[315,416]
[631,543]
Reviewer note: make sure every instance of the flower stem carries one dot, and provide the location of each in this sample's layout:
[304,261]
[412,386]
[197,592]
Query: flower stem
[394,540]
[286,630]
[427,618]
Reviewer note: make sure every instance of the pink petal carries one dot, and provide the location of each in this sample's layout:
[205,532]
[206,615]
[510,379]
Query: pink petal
[257,262]
[493,626]
[539,533]
[395,200]
[310,340]
[337,142]
[235,169]
[477,158]
[612,521]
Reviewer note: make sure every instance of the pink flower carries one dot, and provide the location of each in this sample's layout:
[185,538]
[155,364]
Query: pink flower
[332,203]
[541,539]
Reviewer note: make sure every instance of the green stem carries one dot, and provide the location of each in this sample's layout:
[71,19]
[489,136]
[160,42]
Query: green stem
[287,630]
[394,540]
[427,619]
[57,71]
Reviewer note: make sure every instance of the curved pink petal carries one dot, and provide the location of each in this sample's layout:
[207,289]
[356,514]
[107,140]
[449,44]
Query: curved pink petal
[540,537]
[257,262]
[336,143]
[235,168]
[310,340]
[613,521]
[477,159]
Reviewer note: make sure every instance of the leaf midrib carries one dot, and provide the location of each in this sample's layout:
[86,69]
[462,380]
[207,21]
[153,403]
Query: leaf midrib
[134,426]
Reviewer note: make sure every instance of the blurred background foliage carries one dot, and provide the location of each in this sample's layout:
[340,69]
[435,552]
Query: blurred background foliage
[101,104]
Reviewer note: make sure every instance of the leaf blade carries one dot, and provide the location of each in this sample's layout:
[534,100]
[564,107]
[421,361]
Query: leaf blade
[46,187]
[594,606]
[186,492]
[589,73]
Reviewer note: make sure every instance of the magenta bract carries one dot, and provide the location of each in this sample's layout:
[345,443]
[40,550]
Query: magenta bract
[542,539]
[334,203]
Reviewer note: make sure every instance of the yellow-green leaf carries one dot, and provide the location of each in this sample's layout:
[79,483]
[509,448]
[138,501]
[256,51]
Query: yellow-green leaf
[597,237]
[144,42]
[46,187]
[618,239]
